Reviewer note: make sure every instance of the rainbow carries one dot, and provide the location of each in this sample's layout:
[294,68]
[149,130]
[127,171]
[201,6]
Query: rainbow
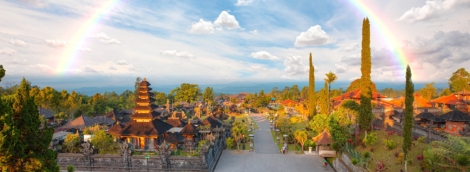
[388,36]
[78,41]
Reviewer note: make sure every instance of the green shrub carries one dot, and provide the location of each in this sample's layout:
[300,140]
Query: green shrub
[229,142]
[354,161]
[422,139]
[370,139]
[390,144]
[70,168]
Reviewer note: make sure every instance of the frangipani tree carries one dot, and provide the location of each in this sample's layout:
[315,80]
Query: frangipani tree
[301,137]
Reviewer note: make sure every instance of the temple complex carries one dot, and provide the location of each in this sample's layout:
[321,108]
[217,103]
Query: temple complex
[145,129]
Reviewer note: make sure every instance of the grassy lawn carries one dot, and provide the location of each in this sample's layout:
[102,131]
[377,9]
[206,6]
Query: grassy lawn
[381,152]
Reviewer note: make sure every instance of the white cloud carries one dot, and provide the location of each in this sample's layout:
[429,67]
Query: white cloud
[226,20]
[56,43]
[243,2]
[254,32]
[105,39]
[8,51]
[42,68]
[35,3]
[432,9]
[176,53]
[122,62]
[202,27]
[340,69]
[263,55]
[112,68]
[16,61]
[294,67]
[351,47]
[17,42]
[90,69]
[312,37]
[255,68]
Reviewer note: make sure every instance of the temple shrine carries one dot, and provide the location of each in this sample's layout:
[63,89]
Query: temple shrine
[145,129]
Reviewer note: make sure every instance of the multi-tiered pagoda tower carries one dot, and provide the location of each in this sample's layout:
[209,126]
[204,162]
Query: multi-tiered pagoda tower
[144,128]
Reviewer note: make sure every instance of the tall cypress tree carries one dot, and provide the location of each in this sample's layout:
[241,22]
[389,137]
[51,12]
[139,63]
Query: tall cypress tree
[311,90]
[23,142]
[407,127]
[365,114]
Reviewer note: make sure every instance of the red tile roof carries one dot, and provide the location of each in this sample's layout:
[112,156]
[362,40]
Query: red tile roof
[356,94]
[444,99]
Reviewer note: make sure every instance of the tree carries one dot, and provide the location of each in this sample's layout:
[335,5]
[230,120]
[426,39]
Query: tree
[208,95]
[428,91]
[2,72]
[103,142]
[71,143]
[459,80]
[311,89]
[186,92]
[408,122]
[321,98]
[160,98]
[23,144]
[365,113]
[330,78]
[304,93]
[238,131]
[445,92]
[357,84]
[339,133]
[319,123]
[301,137]
[98,102]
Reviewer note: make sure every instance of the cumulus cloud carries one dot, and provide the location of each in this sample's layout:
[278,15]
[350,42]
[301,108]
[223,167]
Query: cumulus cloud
[263,55]
[112,68]
[351,60]
[42,68]
[254,32]
[312,37]
[226,20]
[8,51]
[451,46]
[432,9]
[17,42]
[105,38]
[56,43]
[243,2]
[89,69]
[176,53]
[202,27]
[122,62]
[17,61]
[255,68]
[34,3]
[340,68]
[294,67]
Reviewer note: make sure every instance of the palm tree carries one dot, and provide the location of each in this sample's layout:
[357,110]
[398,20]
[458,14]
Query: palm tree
[453,153]
[330,78]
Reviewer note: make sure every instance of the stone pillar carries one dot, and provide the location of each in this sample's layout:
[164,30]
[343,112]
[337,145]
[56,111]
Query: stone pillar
[151,144]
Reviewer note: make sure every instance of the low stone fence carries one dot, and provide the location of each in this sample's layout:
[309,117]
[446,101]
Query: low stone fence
[343,164]
[422,131]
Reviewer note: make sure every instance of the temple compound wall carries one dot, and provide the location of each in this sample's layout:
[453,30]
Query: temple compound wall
[206,161]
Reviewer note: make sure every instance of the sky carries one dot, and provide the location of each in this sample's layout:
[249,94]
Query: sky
[89,43]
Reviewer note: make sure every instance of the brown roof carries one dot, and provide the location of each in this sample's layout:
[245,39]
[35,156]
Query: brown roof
[116,129]
[81,122]
[153,128]
[174,138]
[429,116]
[211,120]
[144,83]
[463,92]
[46,113]
[189,129]
[175,122]
[356,94]
[324,138]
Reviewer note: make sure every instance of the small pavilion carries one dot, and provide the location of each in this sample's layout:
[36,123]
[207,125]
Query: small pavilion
[427,118]
[324,142]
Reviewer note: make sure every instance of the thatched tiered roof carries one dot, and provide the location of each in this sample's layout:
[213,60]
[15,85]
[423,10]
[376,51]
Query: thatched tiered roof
[429,116]
[323,138]
[212,121]
[189,129]
[154,128]
[456,115]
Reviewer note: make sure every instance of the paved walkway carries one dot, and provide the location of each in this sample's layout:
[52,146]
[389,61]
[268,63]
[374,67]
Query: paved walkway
[267,156]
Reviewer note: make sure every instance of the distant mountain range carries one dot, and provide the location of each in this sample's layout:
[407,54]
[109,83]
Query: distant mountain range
[249,87]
